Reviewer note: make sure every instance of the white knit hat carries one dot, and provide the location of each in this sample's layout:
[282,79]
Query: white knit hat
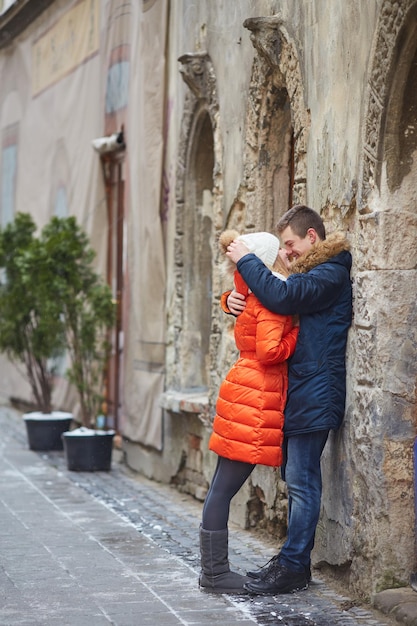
[264,245]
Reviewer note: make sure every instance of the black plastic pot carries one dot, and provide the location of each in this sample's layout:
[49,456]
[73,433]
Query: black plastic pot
[90,452]
[45,433]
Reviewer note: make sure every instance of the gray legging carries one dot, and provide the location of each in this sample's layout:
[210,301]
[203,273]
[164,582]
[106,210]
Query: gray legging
[228,478]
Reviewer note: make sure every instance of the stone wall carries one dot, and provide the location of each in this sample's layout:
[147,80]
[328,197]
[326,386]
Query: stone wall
[289,102]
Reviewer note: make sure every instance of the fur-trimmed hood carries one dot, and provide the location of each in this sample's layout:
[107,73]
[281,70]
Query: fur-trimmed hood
[320,252]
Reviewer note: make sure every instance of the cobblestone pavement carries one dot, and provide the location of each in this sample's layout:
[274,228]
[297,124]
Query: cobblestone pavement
[115,548]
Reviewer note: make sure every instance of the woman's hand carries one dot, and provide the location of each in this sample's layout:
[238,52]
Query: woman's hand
[283,254]
[236,302]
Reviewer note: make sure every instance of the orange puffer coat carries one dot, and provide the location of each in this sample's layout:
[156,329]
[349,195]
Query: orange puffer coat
[249,422]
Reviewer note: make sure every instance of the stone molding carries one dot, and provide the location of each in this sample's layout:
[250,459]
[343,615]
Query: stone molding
[200,101]
[265,37]
[179,402]
[391,20]
[198,73]
[275,46]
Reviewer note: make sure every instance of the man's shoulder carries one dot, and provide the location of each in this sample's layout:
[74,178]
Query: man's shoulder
[334,249]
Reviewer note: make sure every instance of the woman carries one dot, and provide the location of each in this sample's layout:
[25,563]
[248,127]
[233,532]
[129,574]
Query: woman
[248,426]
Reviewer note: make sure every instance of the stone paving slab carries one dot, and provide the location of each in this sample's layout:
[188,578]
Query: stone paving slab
[87,549]
[400,603]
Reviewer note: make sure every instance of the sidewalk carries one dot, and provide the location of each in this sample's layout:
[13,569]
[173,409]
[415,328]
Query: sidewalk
[92,549]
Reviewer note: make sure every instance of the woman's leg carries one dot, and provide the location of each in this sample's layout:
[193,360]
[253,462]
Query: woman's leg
[228,478]
[216,576]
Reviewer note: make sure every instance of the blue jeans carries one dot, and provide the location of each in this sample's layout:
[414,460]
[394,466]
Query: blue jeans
[301,471]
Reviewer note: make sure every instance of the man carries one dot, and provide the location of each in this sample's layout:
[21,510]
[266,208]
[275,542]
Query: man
[319,291]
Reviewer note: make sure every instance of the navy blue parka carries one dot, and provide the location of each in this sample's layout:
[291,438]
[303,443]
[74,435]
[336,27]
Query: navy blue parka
[318,290]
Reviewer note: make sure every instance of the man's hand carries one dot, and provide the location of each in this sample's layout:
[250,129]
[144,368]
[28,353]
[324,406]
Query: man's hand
[236,302]
[236,250]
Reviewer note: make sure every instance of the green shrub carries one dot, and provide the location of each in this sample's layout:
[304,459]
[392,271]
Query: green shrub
[52,299]
[31,325]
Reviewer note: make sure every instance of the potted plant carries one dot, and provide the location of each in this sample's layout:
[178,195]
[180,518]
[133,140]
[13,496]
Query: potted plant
[88,315]
[32,332]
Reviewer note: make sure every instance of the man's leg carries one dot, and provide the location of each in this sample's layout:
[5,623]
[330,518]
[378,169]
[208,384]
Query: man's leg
[302,473]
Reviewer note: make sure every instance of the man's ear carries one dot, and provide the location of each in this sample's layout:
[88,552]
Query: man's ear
[312,235]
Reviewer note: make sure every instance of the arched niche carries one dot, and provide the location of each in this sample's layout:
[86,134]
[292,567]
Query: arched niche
[390,107]
[197,252]
[278,124]
[198,199]
[400,134]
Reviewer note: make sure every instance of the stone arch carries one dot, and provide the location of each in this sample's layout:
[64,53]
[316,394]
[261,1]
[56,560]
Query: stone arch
[393,60]
[400,136]
[278,125]
[198,199]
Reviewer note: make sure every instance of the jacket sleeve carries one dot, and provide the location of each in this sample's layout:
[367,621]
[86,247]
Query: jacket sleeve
[271,345]
[311,292]
[223,302]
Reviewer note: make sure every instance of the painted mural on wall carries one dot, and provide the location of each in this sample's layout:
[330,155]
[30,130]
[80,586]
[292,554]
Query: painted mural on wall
[69,42]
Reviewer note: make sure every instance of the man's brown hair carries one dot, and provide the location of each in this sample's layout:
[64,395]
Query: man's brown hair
[301,218]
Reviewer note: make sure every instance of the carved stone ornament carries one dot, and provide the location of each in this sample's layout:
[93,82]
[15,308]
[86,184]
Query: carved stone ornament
[197,73]
[278,52]
[265,37]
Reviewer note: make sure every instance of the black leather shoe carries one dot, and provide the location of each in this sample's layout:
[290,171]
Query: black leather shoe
[261,572]
[278,579]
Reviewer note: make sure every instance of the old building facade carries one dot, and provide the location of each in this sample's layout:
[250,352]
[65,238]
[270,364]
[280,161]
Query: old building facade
[231,112]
